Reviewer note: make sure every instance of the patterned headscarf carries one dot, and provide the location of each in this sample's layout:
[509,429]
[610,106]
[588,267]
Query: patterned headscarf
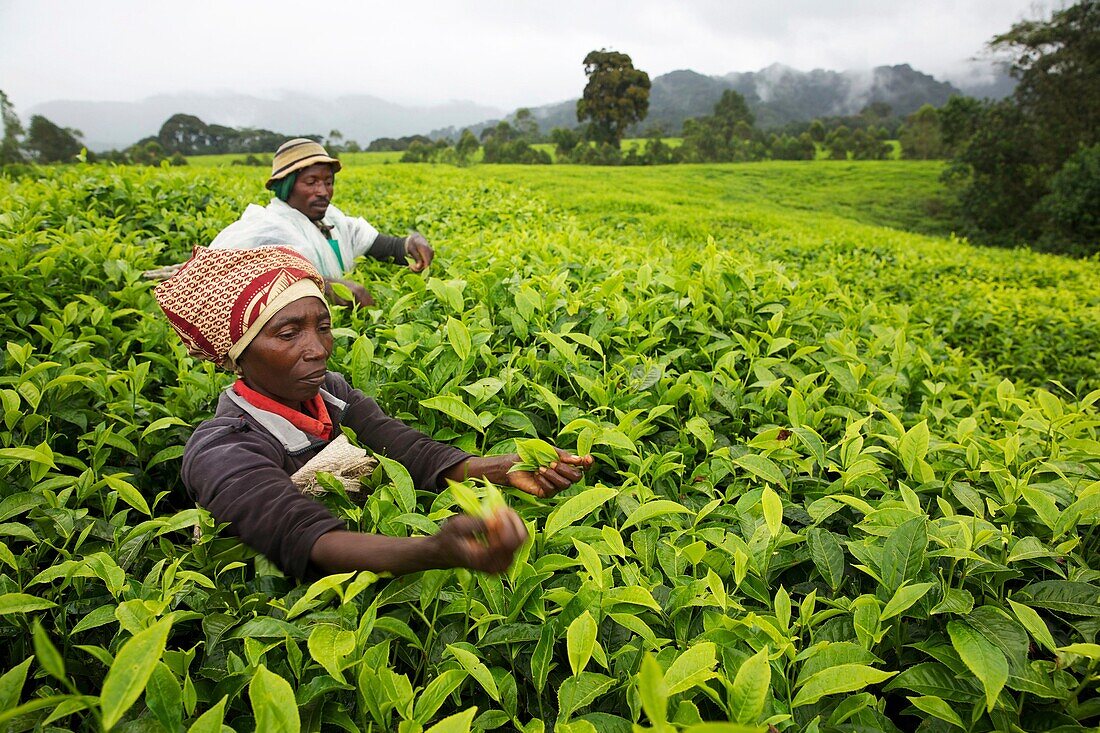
[221,298]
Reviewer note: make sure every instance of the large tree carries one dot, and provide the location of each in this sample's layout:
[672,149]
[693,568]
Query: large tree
[615,97]
[1058,64]
[1013,150]
[49,143]
[10,151]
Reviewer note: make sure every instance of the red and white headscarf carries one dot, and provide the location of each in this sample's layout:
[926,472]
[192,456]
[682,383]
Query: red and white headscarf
[221,298]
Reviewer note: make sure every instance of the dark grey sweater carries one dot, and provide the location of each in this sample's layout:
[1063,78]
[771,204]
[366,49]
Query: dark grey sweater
[240,471]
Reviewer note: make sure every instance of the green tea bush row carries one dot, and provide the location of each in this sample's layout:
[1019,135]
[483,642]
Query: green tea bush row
[812,509]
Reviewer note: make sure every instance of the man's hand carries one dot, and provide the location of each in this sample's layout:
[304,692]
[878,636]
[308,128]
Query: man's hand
[418,252]
[486,545]
[359,294]
[549,480]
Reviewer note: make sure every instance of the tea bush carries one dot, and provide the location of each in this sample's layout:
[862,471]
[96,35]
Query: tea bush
[819,503]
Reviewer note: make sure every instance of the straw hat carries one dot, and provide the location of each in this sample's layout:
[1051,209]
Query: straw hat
[296,154]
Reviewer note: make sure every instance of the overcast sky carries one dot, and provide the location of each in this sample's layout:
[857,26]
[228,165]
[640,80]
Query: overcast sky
[501,53]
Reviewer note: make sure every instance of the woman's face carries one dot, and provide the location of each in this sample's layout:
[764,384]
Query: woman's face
[286,361]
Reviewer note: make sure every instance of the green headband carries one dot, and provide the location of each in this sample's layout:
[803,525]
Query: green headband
[283,186]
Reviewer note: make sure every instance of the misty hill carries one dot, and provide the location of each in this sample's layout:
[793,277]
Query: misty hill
[362,118]
[779,94]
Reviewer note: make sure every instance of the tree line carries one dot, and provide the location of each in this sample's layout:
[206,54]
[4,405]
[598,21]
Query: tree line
[1025,169]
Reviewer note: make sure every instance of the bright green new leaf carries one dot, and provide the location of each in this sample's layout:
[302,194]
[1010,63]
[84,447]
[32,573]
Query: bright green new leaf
[134,663]
[273,704]
[693,667]
[576,508]
[11,684]
[476,668]
[913,447]
[455,408]
[403,489]
[580,690]
[1089,651]
[211,720]
[22,603]
[329,646]
[129,494]
[580,639]
[652,509]
[750,688]
[459,337]
[1033,622]
[838,679]
[762,467]
[457,723]
[938,708]
[772,506]
[435,694]
[48,657]
[652,691]
[904,598]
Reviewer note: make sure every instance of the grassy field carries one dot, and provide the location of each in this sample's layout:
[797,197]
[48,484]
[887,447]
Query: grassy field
[846,475]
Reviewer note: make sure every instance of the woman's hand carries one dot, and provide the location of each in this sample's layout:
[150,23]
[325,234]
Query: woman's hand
[486,545]
[549,480]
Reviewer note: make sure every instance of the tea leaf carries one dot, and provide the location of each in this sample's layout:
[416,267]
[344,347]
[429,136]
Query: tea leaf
[22,603]
[329,646]
[691,668]
[773,511]
[838,679]
[459,337]
[750,688]
[938,708]
[762,467]
[580,640]
[457,723]
[904,598]
[273,704]
[476,669]
[827,555]
[986,661]
[455,408]
[652,691]
[133,665]
[211,720]
[435,694]
[11,684]
[576,508]
[48,657]
[651,509]
[580,691]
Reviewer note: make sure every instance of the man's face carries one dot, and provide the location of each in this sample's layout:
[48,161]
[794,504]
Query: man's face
[312,190]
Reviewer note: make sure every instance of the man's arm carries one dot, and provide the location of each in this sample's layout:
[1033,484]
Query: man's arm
[412,250]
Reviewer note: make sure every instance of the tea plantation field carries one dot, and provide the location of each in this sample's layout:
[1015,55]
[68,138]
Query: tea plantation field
[848,466]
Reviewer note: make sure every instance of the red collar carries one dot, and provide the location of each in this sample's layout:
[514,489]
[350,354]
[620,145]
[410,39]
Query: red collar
[314,421]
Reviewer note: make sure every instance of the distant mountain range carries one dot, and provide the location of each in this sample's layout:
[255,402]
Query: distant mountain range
[777,95]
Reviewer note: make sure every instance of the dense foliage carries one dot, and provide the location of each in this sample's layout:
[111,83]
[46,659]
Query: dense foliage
[1006,168]
[818,505]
